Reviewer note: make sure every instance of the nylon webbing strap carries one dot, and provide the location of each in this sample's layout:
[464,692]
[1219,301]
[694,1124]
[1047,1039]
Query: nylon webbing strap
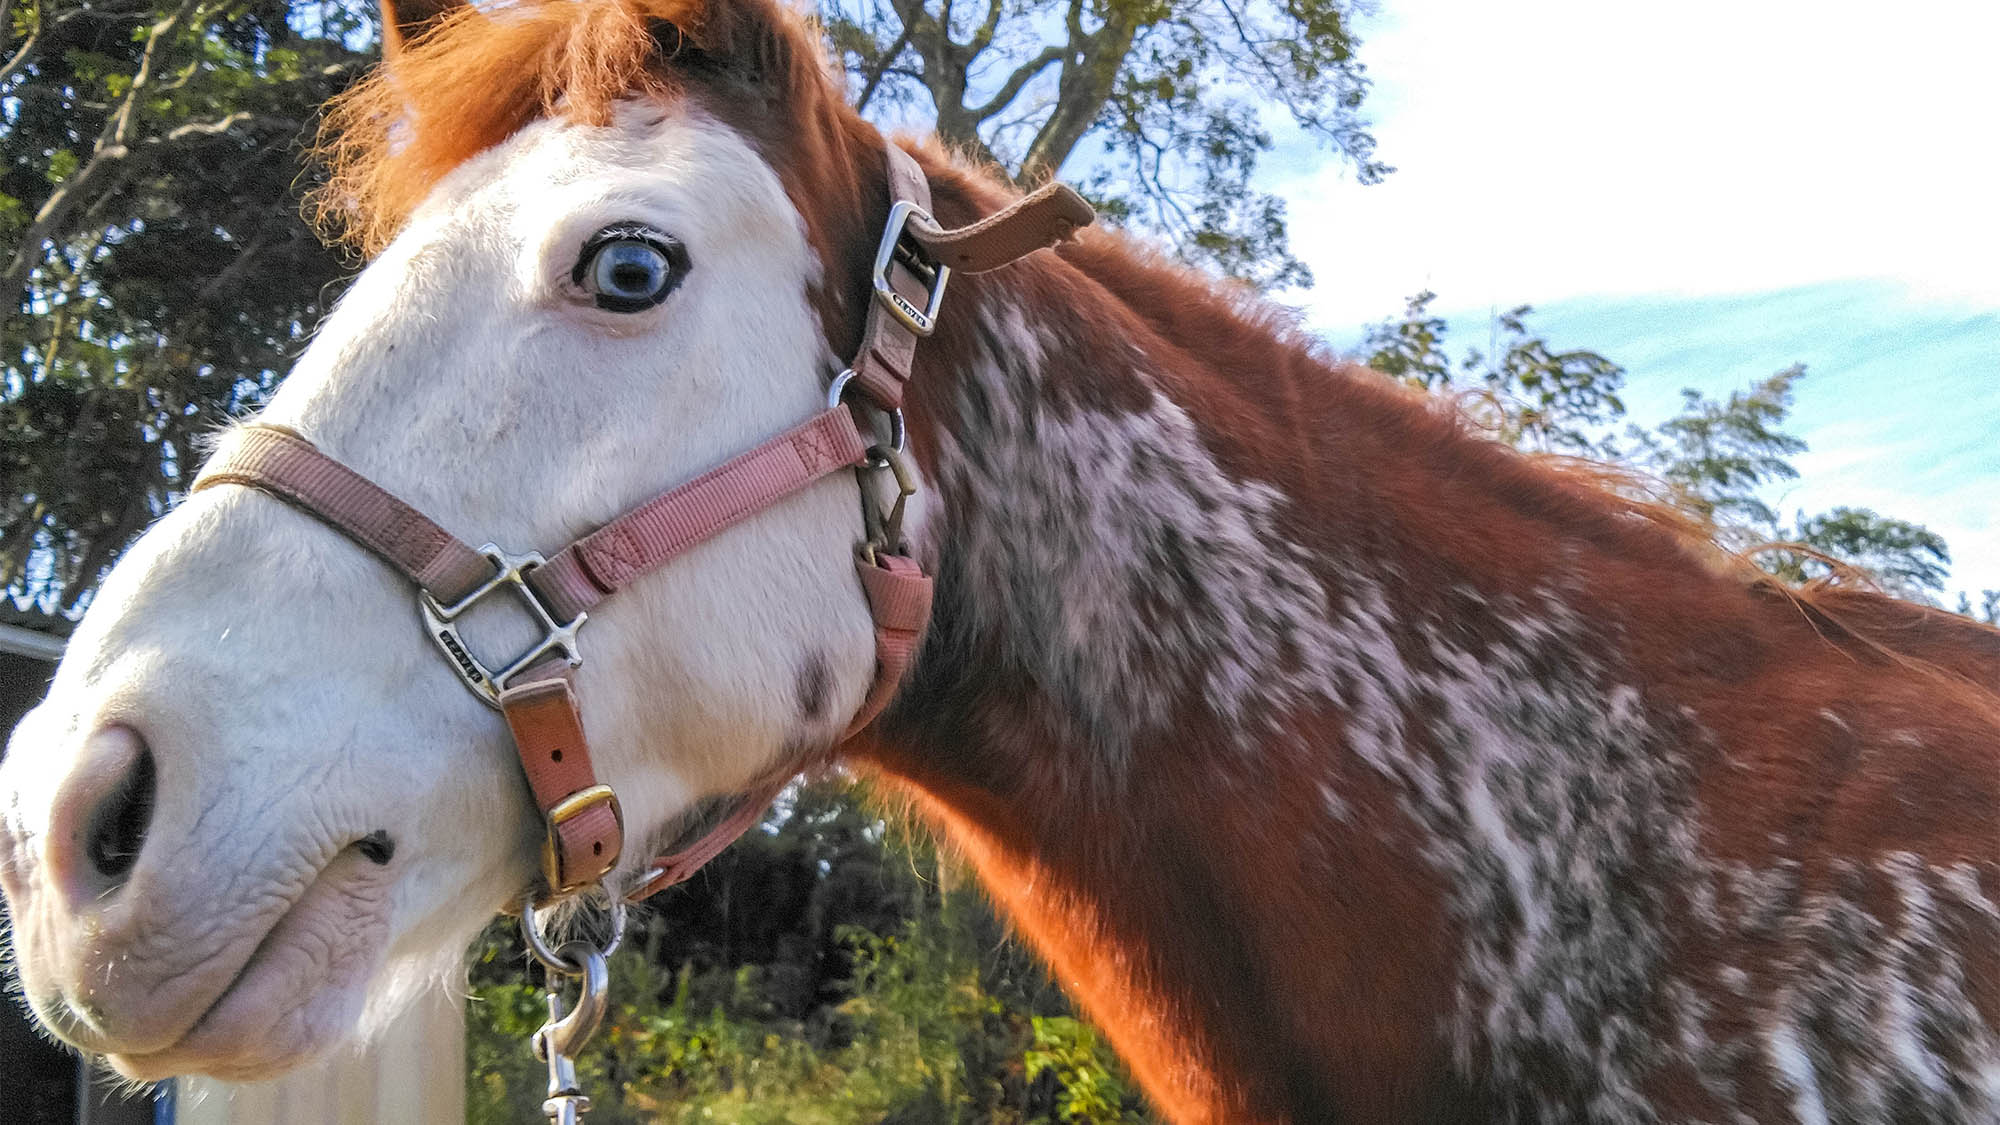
[1048,215]
[1042,218]
[899,600]
[291,468]
[666,527]
[888,346]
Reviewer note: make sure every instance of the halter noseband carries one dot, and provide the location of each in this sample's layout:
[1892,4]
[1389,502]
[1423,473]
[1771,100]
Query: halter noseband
[585,827]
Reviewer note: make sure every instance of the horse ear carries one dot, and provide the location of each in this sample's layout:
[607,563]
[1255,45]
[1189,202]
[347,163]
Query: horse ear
[404,20]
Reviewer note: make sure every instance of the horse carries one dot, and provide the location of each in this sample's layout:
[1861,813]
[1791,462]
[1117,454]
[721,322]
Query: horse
[1342,764]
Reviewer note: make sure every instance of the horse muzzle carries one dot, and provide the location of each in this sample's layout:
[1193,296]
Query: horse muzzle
[130,945]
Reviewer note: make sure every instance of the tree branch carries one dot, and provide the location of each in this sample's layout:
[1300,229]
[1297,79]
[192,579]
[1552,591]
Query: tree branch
[1307,120]
[20,58]
[119,128]
[911,12]
[881,68]
[33,43]
[983,38]
[40,34]
[1090,70]
[1023,74]
[99,175]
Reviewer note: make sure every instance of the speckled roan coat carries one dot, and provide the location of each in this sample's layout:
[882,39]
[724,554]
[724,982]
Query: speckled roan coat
[1349,767]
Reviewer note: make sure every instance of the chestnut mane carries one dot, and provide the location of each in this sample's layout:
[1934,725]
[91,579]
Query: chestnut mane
[480,74]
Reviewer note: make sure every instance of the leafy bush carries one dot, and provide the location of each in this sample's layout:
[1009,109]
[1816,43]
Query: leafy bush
[821,976]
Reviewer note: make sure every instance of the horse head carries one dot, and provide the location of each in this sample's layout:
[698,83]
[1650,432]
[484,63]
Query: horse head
[612,243]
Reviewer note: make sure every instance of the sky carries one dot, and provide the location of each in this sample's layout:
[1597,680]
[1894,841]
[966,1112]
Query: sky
[1706,193]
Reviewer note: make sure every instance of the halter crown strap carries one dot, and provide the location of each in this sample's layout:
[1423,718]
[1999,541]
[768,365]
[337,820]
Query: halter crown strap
[917,256]
[1042,218]
[584,824]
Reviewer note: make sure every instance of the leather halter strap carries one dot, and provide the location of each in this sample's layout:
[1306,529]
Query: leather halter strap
[583,821]
[1044,217]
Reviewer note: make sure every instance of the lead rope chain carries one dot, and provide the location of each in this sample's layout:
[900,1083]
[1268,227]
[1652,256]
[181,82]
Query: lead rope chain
[558,1041]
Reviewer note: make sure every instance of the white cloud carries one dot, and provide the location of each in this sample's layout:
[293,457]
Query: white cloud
[1554,148]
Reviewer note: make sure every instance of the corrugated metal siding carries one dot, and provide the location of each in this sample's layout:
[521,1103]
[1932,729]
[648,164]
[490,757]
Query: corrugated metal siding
[414,1074]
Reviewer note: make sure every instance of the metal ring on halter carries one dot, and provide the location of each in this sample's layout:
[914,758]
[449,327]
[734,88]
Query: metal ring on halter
[898,433]
[553,959]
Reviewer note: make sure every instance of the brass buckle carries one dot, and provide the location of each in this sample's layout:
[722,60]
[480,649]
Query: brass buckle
[933,274]
[561,813]
[441,622]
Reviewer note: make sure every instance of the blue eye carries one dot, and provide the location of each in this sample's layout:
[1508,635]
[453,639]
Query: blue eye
[630,268]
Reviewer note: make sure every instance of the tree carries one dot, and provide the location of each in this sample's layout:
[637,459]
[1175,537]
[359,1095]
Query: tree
[1527,393]
[1718,453]
[1410,349]
[1170,94]
[1988,609]
[1906,559]
[158,277]
[1715,456]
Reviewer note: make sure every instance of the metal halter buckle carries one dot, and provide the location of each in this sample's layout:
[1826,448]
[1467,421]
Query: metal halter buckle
[933,274]
[564,811]
[441,622]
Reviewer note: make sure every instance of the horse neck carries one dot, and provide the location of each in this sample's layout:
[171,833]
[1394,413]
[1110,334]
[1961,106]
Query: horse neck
[1128,621]
[1304,733]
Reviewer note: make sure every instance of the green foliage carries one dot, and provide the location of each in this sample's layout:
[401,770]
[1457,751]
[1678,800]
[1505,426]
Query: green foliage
[1905,558]
[822,976]
[1715,456]
[1411,349]
[1719,453]
[1556,400]
[157,276]
[1083,1067]
[1527,393]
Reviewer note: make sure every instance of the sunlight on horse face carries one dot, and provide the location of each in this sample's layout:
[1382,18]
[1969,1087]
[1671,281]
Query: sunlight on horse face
[190,819]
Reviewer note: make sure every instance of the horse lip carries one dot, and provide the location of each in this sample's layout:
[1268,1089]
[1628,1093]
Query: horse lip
[274,938]
[235,979]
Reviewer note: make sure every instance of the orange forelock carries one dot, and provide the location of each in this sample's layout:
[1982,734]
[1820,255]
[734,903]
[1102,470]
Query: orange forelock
[470,83]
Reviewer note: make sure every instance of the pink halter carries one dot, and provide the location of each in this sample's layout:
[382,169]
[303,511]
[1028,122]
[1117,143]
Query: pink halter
[585,827]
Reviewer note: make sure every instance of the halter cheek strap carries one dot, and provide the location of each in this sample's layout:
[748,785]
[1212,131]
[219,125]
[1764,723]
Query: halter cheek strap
[583,822]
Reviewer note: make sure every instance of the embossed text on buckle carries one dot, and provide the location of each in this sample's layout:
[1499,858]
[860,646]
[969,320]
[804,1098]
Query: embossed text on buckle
[933,274]
[441,622]
[568,809]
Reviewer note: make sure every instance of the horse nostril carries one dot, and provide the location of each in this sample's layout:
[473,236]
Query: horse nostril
[376,847]
[118,827]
